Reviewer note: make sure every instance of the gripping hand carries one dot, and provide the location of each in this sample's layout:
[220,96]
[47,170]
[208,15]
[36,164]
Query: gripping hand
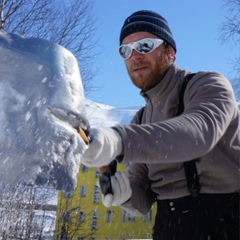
[105,146]
[121,190]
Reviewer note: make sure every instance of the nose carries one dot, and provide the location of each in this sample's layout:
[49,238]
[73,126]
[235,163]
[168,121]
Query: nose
[136,55]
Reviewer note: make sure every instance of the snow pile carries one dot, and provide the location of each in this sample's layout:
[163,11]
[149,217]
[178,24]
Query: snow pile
[106,116]
[42,100]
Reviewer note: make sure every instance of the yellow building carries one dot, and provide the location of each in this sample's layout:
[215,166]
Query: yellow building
[81,214]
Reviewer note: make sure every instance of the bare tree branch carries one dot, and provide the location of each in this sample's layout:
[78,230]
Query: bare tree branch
[67,22]
[230,28]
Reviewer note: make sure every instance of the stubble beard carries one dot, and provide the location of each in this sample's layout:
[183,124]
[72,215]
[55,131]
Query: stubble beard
[154,76]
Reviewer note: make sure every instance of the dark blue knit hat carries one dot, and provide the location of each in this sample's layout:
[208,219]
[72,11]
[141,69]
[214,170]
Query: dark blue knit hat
[147,21]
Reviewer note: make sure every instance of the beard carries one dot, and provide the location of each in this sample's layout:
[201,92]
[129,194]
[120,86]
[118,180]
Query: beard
[154,74]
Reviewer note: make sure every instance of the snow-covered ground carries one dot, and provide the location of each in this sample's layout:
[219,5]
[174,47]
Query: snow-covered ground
[105,116]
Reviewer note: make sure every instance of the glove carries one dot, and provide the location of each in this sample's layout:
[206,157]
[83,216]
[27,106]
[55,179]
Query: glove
[121,190]
[105,146]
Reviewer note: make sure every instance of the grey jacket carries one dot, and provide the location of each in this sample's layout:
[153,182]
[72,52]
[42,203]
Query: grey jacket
[209,129]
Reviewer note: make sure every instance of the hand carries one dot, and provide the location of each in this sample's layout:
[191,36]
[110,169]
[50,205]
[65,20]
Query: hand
[105,146]
[121,190]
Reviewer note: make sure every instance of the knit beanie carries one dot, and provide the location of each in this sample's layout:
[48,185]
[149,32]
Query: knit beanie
[147,21]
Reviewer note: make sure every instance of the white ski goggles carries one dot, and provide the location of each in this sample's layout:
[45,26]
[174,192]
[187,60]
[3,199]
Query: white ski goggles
[143,46]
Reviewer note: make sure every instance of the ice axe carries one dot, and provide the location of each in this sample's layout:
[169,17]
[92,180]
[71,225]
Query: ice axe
[105,171]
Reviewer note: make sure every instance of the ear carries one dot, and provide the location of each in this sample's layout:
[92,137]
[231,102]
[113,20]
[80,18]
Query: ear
[171,53]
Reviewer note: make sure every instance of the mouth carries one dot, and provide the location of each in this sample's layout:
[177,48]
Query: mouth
[140,69]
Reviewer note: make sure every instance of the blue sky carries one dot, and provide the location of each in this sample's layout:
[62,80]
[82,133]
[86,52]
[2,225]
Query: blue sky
[195,26]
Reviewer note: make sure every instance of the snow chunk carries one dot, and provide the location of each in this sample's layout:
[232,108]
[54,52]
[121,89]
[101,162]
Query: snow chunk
[42,101]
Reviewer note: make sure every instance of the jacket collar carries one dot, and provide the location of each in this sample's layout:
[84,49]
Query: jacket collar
[164,87]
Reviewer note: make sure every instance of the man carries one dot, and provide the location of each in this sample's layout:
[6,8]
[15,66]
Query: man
[158,143]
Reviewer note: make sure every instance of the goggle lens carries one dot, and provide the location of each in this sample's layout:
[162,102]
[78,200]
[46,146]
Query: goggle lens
[143,46]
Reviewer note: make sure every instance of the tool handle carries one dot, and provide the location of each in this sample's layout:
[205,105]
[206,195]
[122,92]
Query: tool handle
[103,169]
[105,178]
[84,135]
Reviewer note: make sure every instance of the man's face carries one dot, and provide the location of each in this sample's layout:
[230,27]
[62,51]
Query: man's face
[146,70]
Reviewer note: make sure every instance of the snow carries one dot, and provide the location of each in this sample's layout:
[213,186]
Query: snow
[42,100]
[106,116]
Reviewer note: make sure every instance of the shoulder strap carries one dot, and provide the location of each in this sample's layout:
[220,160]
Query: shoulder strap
[189,166]
[181,95]
[192,177]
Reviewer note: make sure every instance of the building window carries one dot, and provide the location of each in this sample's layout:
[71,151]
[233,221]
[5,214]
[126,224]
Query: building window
[84,168]
[79,238]
[68,194]
[97,194]
[83,191]
[81,216]
[97,173]
[147,217]
[109,215]
[95,220]
[126,217]
[66,216]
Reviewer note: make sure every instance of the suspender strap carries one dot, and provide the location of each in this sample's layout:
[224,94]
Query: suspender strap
[181,95]
[189,166]
[192,177]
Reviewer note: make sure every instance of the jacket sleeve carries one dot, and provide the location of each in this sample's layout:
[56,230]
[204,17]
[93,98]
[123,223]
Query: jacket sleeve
[210,106]
[142,197]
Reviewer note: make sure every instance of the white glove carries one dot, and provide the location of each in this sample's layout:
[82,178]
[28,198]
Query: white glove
[105,146]
[121,190]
